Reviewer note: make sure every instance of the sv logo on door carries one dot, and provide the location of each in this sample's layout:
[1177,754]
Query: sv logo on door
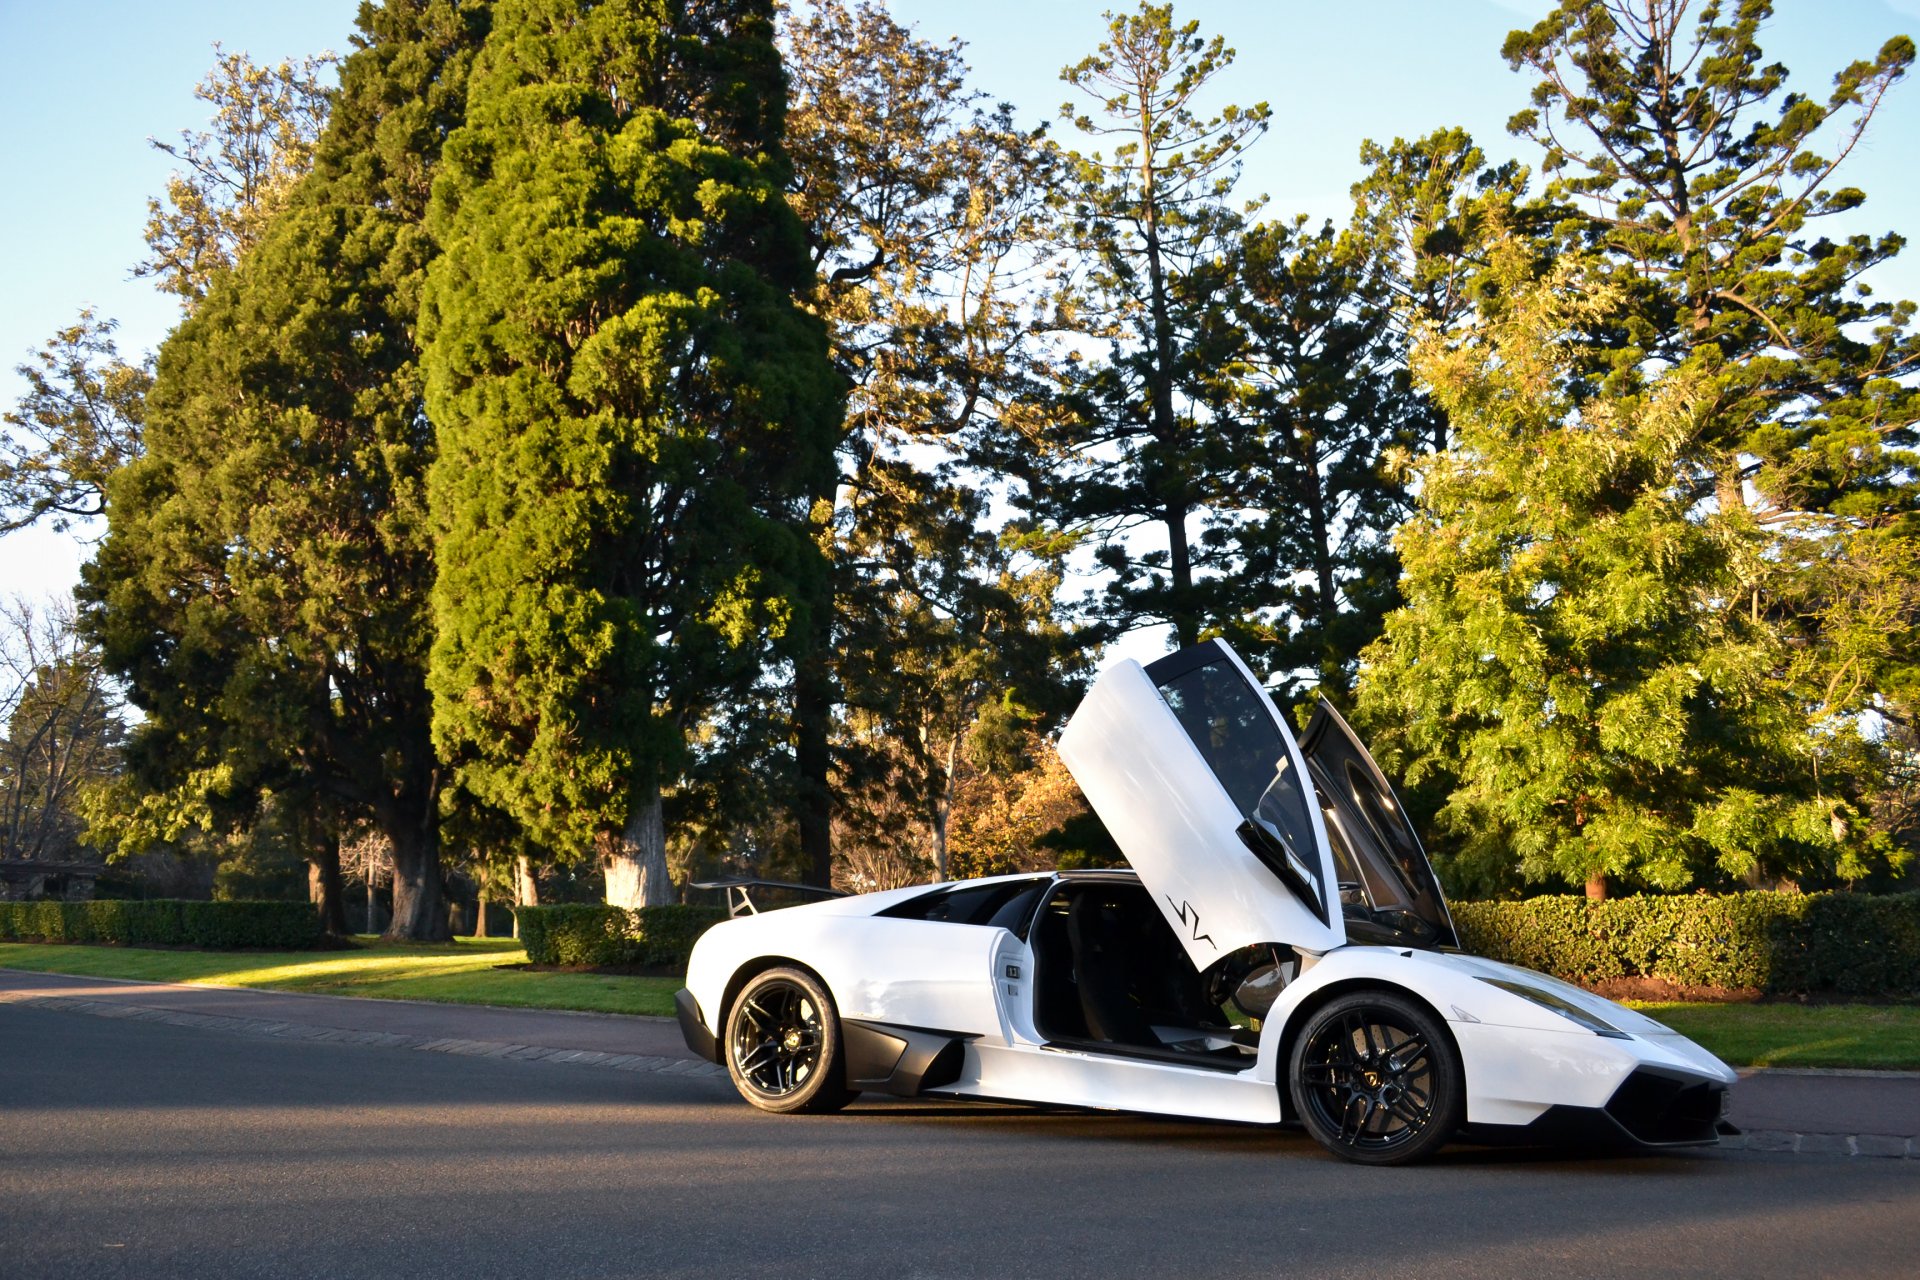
[1190,916]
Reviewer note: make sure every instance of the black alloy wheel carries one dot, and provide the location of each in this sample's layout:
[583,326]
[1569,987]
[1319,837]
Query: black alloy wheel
[783,1044]
[1376,1079]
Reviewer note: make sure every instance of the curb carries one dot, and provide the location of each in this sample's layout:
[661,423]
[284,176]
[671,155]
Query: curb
[1845,1073]
[1874,1145]
[690,1068]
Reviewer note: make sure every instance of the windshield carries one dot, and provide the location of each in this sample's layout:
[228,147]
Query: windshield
[1229,722]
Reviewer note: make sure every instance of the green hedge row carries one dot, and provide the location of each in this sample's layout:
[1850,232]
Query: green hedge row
[221,926]
[1850,944]
[607,937]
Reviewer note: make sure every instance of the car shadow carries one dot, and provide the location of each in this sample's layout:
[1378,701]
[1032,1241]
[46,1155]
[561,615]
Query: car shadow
[1067,1122]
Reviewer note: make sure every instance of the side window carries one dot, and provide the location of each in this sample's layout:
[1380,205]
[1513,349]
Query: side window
[1005,905]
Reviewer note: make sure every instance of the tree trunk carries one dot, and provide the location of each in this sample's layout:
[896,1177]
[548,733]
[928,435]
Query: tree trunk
[813,758]
[480,916]
[943,811]
[1597,886]
[526,890]
[324,889]
[419,897]
[635,860]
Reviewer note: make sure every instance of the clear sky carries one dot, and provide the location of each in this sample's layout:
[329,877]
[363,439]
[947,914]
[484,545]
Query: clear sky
[84,83]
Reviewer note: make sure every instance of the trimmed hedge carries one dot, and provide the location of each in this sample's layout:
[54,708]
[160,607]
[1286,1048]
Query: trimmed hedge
[1849,944]
[613,937]
[217,926]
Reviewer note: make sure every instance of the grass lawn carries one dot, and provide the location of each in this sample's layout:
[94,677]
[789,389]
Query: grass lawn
[468,971]
[1799,1035]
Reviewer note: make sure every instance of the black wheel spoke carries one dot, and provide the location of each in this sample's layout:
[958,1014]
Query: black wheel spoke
[779,1039]
[1368,1080]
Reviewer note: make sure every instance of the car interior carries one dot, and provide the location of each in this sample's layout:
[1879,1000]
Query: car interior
[1111,975]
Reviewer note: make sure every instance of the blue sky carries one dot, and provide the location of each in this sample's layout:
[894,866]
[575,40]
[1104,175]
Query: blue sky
[83,84]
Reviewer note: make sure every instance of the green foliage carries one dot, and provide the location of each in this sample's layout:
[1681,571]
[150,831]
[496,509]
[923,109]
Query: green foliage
[632,408]
[262,586]
[1578,651]
[1309,392]
[216,926]
[613,937]
[80,419]
[925,208]
[1131,448]
[1852,944]
[1700,183]
[239,173]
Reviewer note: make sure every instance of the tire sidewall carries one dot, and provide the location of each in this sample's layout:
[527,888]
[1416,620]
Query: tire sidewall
[1449,1078]
[825,1090]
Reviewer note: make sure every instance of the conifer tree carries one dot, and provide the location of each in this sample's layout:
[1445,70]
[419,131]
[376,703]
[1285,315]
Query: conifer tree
[1308,396]
[1687,163]
[632,410]
[927,211]
[263,583]
[1131,464]
[1577,652]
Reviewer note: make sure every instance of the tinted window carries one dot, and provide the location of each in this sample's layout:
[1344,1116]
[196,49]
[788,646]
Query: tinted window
[1229,722]
[1006,905]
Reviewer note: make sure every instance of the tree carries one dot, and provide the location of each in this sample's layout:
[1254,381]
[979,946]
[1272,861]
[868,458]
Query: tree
[927,214]
[1132,449]
[240,173]
[1577,651]
[60,731]
[1310,395]
[79,421]
[263,583]
[1430,210]
[1687,167]
[632,407]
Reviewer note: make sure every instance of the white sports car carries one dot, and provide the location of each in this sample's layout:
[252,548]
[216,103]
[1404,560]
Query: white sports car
[1279,952]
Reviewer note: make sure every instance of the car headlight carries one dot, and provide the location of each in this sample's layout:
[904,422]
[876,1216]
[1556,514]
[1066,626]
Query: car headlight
[1565,1008]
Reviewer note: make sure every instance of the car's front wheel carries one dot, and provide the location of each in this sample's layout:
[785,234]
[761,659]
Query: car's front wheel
[1376,1079]
[783,1044]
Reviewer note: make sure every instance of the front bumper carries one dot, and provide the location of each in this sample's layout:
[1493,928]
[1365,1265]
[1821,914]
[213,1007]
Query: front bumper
[1651,1109]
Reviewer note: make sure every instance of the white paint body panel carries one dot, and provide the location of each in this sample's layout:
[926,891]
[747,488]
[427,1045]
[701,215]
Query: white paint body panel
[1518,1058]
[1178,826]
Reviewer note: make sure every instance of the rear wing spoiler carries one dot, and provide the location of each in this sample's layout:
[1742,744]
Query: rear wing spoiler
[740,890]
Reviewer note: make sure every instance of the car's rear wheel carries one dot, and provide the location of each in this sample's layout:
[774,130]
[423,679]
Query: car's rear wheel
[783,1044]
[1376,1079]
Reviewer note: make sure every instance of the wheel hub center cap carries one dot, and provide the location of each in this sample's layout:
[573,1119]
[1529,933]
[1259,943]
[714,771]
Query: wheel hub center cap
[791,1040]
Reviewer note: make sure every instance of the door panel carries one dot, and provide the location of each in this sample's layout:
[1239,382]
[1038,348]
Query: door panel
[1387,887]
[1207,802]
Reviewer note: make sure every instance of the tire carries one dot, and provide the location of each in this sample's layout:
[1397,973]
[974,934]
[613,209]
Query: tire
[1376,1079]
[783,1045]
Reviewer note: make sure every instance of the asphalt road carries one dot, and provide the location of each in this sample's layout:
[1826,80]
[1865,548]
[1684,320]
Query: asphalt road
[140,1149]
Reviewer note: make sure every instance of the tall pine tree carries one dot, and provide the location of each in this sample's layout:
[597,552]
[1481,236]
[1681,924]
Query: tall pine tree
[1577,653]
[632,409]
[1131,464]
[263,583]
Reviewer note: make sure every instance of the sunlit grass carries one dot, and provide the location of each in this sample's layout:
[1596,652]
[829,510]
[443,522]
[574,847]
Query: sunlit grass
[467,971]
[1799,1035]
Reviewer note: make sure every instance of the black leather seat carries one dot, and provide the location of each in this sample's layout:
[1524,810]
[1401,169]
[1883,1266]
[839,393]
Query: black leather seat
[1101,966]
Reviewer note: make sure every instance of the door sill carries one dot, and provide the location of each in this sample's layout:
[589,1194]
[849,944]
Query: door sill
[1144,1053]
